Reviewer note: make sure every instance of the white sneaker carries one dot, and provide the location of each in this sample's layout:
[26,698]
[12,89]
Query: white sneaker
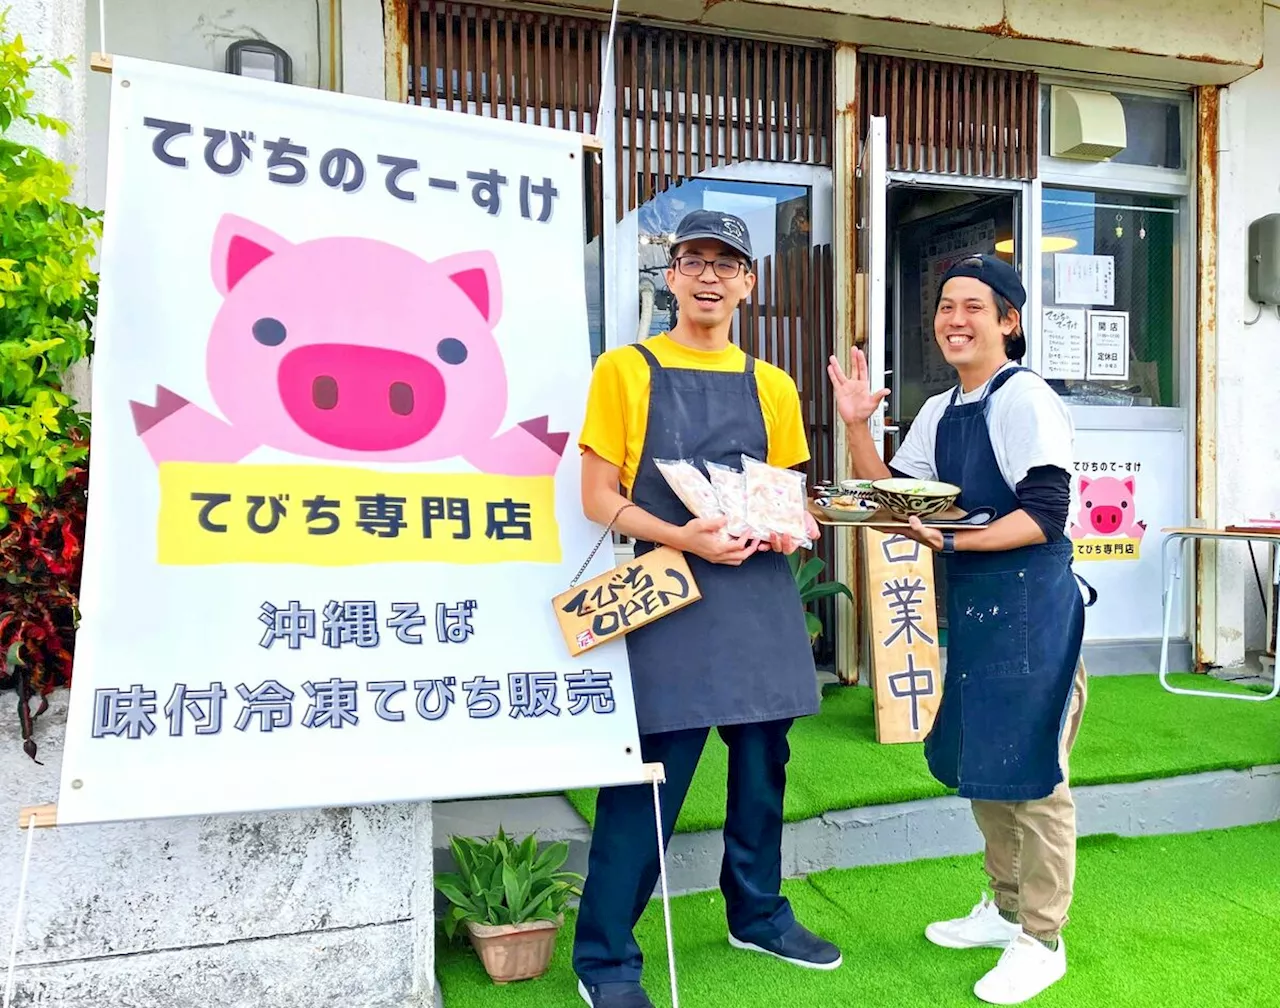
[983,928]
[1025,969]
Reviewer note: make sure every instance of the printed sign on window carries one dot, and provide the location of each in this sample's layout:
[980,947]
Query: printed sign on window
[1106,525]
[1108,346]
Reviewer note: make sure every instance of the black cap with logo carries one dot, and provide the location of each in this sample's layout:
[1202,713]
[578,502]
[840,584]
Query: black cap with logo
[724,227]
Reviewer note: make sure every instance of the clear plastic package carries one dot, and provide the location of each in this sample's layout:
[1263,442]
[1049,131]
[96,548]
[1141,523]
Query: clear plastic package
[730,486]
[776,500]
[693,488]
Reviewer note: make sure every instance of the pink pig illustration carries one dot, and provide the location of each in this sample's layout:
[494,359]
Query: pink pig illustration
[1106,509]
[353,349]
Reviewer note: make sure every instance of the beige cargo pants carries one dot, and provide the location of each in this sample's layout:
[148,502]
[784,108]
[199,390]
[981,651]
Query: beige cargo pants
[1031,845]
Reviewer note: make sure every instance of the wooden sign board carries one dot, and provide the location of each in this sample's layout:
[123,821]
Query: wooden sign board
[621,600]
[906,670]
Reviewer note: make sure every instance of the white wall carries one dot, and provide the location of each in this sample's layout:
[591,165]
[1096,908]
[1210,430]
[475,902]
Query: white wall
[1248,437]
[197,33]
[332,907]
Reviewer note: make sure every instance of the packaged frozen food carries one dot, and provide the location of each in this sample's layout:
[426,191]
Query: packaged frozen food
[776,500]
[730,486]
[693,488]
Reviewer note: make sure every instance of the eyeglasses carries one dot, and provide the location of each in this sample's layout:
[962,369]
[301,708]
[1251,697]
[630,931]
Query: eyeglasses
[725,269]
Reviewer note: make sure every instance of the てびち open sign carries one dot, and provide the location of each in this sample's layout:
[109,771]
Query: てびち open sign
[624,599]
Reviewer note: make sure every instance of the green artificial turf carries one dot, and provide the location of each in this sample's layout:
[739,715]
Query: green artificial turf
[1156,921]
[1133,729]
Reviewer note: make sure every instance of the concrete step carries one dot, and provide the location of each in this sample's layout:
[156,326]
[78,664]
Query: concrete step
[884,834]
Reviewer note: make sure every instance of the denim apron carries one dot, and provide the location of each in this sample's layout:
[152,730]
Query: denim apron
[1015,623]
[741,653]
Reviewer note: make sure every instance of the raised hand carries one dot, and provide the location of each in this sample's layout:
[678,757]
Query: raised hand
[854,398]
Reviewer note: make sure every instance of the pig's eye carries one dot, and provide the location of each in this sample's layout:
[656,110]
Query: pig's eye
[1124,504]
[451,351]
[269,331]
[1088,504]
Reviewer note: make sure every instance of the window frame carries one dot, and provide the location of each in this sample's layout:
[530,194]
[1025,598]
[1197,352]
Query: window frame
[1107,177]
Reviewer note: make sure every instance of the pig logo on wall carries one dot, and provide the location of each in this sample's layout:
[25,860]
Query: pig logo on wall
[352,349]
[1107,512]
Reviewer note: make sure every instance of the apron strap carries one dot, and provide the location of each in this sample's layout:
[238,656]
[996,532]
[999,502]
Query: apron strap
[993,387]
[1093,592]
[647,354]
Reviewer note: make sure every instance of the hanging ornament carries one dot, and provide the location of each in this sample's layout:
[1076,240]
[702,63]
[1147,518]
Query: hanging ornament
[1119,227]
[1142,228]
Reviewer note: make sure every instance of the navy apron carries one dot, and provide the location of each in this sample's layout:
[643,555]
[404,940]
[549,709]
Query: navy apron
[1015,624]
[741,653]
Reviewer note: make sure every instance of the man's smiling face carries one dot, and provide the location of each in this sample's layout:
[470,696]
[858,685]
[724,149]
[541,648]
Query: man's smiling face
[707,298]
[967,325]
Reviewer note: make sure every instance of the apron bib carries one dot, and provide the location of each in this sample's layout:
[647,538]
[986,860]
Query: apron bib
[1015,625]
[741,653]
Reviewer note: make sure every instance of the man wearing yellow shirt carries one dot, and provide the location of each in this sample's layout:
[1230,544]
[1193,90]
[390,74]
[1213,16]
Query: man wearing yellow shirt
[739,659]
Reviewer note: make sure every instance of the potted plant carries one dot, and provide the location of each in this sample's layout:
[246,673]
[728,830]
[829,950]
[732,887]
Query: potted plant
[510,899]
[806,573]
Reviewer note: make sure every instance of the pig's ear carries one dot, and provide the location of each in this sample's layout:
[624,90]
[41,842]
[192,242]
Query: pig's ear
[1084,484]
[1128,485]
[476,275]
[238,246]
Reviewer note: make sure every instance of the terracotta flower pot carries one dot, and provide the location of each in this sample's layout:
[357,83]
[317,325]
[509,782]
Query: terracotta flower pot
[515,951]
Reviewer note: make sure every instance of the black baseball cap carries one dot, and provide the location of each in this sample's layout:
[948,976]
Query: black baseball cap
[992,271]
[722,227]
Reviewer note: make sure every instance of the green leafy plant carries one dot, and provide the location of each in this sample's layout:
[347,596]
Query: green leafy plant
[500,881]
[48,297]
[806,573]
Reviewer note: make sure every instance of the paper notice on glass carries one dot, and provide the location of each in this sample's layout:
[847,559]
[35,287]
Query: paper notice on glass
[1084,279]
[1108,346]
[1064,342]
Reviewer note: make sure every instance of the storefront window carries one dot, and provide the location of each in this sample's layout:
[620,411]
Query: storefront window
[1110,325]
[777,217]
[1153,130]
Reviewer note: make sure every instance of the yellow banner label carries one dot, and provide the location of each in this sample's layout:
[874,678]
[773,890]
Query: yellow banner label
[332,516]
[1108,549]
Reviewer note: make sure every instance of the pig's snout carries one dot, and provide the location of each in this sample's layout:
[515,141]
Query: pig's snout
[361,398]
[1106,518]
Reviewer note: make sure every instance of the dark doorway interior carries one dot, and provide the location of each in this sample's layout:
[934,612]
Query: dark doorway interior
[929,227]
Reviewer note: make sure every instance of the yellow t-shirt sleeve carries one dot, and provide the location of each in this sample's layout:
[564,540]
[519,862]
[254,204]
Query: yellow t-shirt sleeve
[788,443]
[604,430]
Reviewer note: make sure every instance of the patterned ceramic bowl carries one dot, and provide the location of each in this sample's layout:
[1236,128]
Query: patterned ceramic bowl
[918,498]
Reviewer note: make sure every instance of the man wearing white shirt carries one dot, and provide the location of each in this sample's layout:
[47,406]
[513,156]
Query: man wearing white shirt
[1015,685]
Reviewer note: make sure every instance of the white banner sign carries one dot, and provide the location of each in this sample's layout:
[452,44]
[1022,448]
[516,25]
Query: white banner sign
[342,360]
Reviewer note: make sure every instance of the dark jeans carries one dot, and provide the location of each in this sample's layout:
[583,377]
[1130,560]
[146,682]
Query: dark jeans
[623,865]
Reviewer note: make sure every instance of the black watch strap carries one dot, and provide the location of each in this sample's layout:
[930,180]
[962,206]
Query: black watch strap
[948,542]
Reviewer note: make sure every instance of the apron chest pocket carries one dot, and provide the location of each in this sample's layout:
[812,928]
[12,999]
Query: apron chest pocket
[987,631]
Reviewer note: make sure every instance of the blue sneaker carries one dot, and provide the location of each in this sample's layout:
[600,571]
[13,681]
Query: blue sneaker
[614,995]
[799,946]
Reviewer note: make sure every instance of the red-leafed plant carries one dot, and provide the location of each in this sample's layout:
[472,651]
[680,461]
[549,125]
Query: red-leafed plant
[48,296]
[40,553]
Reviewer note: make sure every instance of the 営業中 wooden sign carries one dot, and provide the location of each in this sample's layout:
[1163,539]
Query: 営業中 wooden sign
[625,598]
[905,659]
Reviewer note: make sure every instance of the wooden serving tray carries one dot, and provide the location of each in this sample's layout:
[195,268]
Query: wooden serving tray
[946,521]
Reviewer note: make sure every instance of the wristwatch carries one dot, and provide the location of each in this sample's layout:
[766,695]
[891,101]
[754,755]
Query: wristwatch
[948,542]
